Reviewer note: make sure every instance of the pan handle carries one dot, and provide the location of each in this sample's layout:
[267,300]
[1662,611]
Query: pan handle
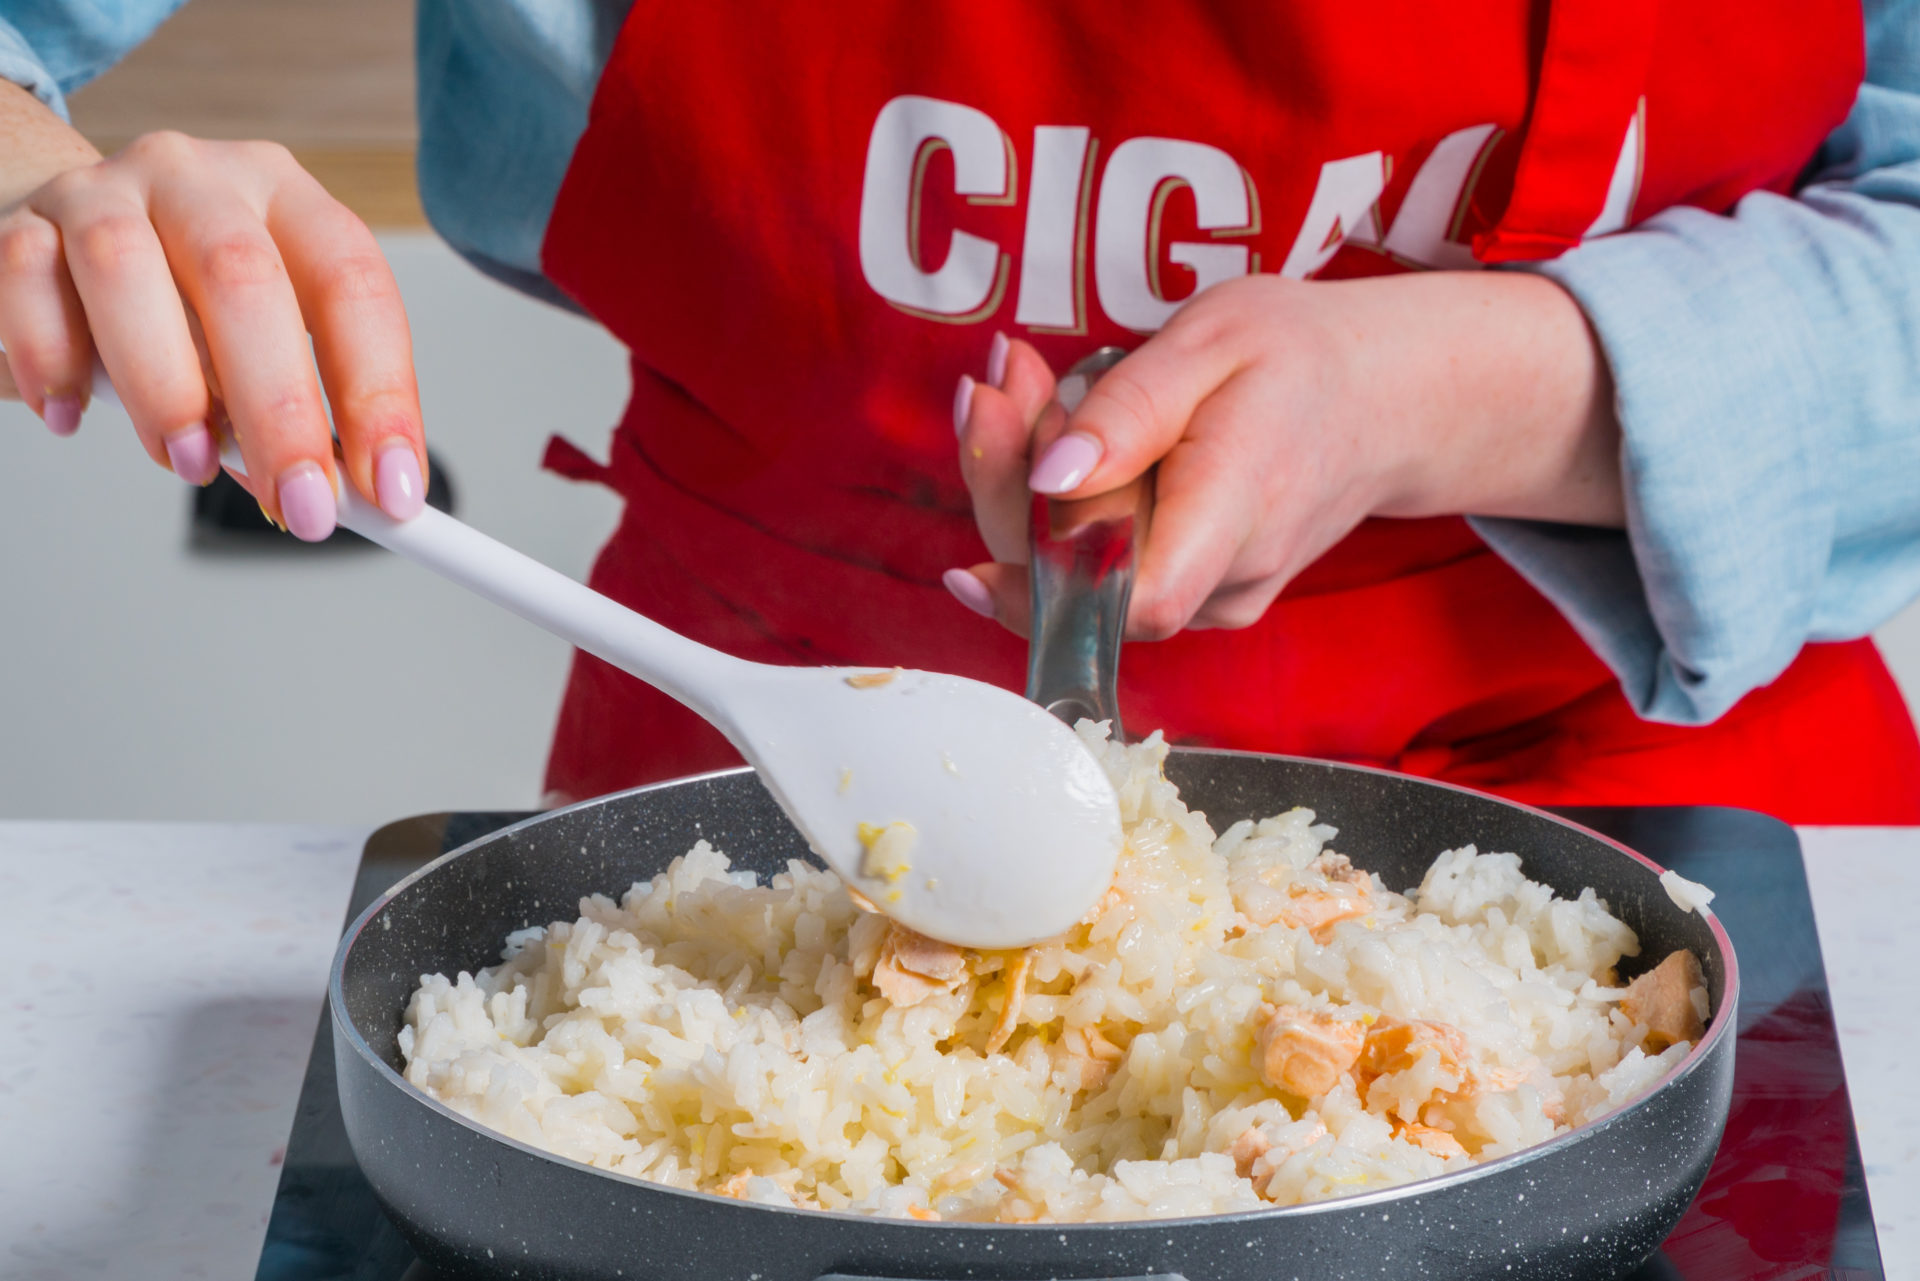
[1082,567]
[842,1276]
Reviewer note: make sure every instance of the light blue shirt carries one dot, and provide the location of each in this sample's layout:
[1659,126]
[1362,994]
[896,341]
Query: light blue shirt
[1766,363]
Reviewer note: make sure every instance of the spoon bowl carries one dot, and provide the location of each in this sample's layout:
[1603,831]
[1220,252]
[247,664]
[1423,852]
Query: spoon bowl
[956,807]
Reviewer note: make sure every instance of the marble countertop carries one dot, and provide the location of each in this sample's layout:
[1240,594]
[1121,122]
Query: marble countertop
[162,982]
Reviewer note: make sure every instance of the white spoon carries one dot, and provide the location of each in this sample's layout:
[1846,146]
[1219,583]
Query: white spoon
[960,809]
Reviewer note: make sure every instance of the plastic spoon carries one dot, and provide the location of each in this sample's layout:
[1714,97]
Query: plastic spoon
[960,809]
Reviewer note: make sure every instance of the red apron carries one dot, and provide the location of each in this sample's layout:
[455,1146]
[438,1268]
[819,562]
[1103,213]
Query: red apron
[805,228]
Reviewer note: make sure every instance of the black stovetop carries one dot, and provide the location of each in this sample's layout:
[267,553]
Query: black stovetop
[1786,1198]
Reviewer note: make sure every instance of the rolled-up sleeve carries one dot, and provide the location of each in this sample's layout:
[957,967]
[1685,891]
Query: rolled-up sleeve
[1766,366]
[52,47]
[20,64]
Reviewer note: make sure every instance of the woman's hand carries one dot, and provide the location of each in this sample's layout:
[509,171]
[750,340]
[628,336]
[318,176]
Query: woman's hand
[1281,414]
[209,277]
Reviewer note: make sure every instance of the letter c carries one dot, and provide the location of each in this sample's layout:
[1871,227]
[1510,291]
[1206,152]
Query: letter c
[905,132]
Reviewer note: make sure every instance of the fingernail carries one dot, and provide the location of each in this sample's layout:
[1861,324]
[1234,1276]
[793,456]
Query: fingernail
[962,403]
[1068,461]
[306,502]
[192,453]
[969,591]
[396,482]
[997,360]
[61,414]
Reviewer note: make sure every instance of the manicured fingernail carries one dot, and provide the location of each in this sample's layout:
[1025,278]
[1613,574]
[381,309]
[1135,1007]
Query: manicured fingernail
[192,453]
[306,502]
[61,414]
[962,403]
[396,482]
[969,591]
[1068,461]
[997,361]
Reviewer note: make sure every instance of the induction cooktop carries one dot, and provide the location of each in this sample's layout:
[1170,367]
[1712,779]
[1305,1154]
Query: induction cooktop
[1786,1198]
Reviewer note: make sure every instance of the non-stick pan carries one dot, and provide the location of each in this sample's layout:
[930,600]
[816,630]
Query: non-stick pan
[1592,1203]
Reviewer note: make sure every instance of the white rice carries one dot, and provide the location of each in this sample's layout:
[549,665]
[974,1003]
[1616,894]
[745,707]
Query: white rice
[712,1033]
[1689,896]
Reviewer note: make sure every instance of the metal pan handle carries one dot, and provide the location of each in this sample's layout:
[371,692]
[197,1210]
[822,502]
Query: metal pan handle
[1157,1276]
[1082,562]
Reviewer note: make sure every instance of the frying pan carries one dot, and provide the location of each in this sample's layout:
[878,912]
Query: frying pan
[1595,1202]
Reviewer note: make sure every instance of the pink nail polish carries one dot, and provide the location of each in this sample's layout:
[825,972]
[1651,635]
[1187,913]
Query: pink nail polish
[397,483]
[997,361]
[1068,461]
[962,403]
[193,455]
[306,502]
[969,591]
[61,414]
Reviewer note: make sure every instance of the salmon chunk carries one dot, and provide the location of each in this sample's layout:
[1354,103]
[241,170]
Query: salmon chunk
[913,967]
[1662,1000]
[1429,1139]
[1093,1057]
[1247,1149]
[1016,997]
[1306,1051]
[1394,1045]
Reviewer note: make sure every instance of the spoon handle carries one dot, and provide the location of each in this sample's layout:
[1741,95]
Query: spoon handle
[544,597]
[1081,570]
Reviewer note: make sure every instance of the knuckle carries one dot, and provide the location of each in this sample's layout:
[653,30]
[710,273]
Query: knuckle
[60,191]
[106,244]
[238,260]
[1205,320]
[1129,402]
[264,156]
[270,151]
[358,278]
[380,412]
[1237,614]
[1158,617]
[163,148]
[28,247]
[291,410]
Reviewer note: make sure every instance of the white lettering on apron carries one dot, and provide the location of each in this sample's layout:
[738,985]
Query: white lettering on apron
[1624,186]
[1053,255]
[1343,203]
[906,132]
[1424,229]
[1140,175]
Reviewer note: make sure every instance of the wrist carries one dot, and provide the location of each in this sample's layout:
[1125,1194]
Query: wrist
[36,145]
[1502,395]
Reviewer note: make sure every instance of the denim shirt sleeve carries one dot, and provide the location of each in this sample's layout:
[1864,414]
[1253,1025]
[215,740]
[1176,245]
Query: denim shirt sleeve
[1766,366]
[52,47]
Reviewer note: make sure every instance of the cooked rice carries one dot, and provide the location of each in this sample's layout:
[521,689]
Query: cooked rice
[1689,896]
[1189,1049]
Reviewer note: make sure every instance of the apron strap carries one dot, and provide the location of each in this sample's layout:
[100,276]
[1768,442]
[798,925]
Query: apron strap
[1593,73]
[564,458]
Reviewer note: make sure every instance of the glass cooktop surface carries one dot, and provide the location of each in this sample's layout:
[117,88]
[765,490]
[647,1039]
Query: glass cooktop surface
[1786,1197]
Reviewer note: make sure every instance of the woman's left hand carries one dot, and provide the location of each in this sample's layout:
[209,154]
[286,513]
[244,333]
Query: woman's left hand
[1281,414]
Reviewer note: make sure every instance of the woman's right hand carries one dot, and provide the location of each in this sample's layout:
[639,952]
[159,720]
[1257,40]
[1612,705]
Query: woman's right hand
[210,277]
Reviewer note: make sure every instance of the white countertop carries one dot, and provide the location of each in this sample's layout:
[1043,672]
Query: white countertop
[162,981]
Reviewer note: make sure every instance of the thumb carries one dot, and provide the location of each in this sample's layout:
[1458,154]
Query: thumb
[1130,419]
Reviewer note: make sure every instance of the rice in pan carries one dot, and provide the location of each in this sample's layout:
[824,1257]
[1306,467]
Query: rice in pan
[1246,1020]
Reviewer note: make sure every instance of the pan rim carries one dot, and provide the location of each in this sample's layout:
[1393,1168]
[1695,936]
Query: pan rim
[1724,1021]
